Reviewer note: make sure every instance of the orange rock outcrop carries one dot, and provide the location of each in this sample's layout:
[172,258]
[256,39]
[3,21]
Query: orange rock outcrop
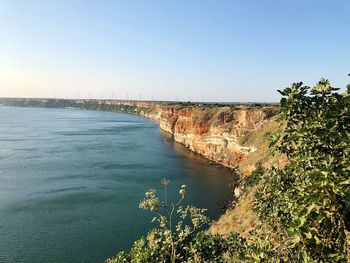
[233,136]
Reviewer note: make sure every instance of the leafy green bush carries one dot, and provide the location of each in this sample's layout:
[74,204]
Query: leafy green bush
[236,246]
[254,178]
[310,197]
[207,248]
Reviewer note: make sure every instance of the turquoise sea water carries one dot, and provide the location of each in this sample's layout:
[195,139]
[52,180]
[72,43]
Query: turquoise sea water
[71,180]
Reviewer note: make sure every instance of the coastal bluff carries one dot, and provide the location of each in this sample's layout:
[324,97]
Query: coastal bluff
[233,135]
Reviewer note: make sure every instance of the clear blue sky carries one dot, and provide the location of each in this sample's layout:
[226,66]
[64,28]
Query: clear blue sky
[199,50]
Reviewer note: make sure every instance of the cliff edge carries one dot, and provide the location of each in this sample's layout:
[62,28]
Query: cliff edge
[234,136]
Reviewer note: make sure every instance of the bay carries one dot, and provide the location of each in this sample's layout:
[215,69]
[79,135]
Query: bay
[71,181]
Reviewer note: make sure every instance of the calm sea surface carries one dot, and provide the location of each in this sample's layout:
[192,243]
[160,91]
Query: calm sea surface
[71,180]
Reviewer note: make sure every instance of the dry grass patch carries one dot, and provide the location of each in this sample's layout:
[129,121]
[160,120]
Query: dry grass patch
[258,139]
[240,219]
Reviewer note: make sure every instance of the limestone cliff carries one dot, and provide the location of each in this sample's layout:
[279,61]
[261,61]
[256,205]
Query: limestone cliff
[234,136]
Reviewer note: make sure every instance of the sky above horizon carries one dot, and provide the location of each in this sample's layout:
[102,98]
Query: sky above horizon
[229,51]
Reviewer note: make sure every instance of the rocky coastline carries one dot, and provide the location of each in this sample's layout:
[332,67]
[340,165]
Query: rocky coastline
[233,136]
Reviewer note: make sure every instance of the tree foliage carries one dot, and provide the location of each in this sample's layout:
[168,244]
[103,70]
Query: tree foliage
[308,201]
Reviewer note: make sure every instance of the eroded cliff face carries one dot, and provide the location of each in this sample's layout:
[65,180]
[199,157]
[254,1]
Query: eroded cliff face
[233,136]
[219,133]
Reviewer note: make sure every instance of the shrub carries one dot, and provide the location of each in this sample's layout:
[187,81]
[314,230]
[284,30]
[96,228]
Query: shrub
[310,197]
[254,178]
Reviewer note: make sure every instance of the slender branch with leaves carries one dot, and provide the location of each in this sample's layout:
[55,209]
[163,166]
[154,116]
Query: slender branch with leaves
[176,239]
[174,231]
